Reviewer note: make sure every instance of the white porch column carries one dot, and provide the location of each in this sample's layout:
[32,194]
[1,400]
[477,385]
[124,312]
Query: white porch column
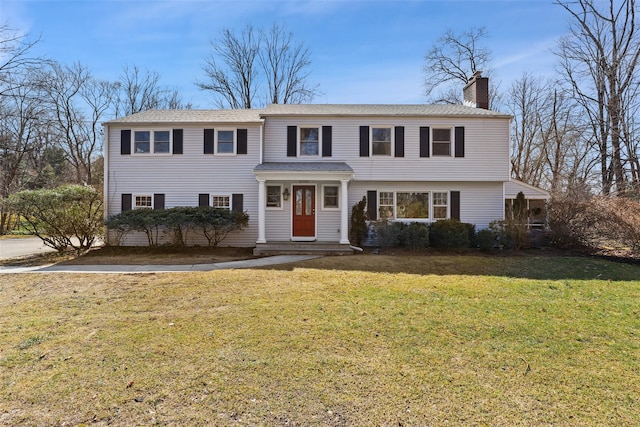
[344,212]
[262,192]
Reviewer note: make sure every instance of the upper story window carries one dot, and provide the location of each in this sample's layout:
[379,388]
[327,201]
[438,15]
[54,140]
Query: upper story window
[156,142]
[226,142]
[381,141]
[309,141]
[441,142]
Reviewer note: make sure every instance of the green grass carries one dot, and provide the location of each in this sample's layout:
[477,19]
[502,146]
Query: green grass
[362,340]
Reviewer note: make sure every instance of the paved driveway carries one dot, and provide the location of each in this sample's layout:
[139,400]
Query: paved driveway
[22,246]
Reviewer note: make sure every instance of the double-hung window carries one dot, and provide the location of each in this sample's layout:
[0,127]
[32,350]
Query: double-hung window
[309,141]
[441,142]
[381,141]
[440,203]
[156,142]
[385,205]
[226,142]
[221,202]
[274,196]
[330,197]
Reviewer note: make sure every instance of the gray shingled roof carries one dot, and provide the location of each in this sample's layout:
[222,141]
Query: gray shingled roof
[303,167]
[192,116]
[378,110]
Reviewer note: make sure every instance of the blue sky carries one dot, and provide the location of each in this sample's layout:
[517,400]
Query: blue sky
[362,51]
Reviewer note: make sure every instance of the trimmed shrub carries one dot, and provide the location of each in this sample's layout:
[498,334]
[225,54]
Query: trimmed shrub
[486,239]
[69,216]
[449,234]
[414,235]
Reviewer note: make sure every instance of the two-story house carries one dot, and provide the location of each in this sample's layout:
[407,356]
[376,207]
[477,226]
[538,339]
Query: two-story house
[297,170]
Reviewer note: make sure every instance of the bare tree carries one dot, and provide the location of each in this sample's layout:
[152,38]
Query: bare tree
[140,90]
[257,67]
[599,61]
[452,60]
[78,103]
[285,64]
[21,123]
[15,49]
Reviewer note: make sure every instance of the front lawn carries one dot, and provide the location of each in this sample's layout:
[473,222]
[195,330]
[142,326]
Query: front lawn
[357,340]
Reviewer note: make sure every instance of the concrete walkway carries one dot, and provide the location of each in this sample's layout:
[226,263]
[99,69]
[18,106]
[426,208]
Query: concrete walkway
[120,269]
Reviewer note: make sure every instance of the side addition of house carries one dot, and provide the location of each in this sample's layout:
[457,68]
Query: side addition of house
[297,170]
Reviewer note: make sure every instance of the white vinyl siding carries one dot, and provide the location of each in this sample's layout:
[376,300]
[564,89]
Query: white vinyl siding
[182,178]
[486,148]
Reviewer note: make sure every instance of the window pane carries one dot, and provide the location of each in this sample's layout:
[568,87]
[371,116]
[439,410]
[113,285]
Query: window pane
[309,144]
[412,205]
[225,141]
[330,197]
[440,202]
[143,202]
[381,141]
[442,135]
[161,141]
[309,202]
[385,205]
[441,149]
[221,202]
[273,196]
[298,202]
[142,142]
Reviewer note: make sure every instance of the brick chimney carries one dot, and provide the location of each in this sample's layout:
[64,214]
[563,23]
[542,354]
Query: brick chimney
[476,92]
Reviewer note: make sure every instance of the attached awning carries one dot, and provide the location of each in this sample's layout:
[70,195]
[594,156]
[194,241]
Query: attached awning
[316,171]
[513,187]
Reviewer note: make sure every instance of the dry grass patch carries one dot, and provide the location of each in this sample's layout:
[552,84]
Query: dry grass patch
[312,345]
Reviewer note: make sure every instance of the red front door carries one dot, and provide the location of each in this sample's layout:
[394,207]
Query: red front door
[304,211]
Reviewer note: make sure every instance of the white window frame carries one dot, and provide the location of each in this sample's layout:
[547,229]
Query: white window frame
[391,140]
[213,196]
[280,203]
[300,127]
[134,202]
[434,205]
[331,208]
[433,141]
[412,219]
[217,142]
[152,151]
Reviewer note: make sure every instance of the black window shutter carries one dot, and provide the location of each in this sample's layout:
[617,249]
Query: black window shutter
[126,202]
[242,141]
[424,141]
[236,202]
[459,145]
[177,141]
[292,140]
[364,141]
[203,199]
[326,141]
[372,205]
[158,201]
[399,141]
[208,141]
[125,142]
[455,205]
